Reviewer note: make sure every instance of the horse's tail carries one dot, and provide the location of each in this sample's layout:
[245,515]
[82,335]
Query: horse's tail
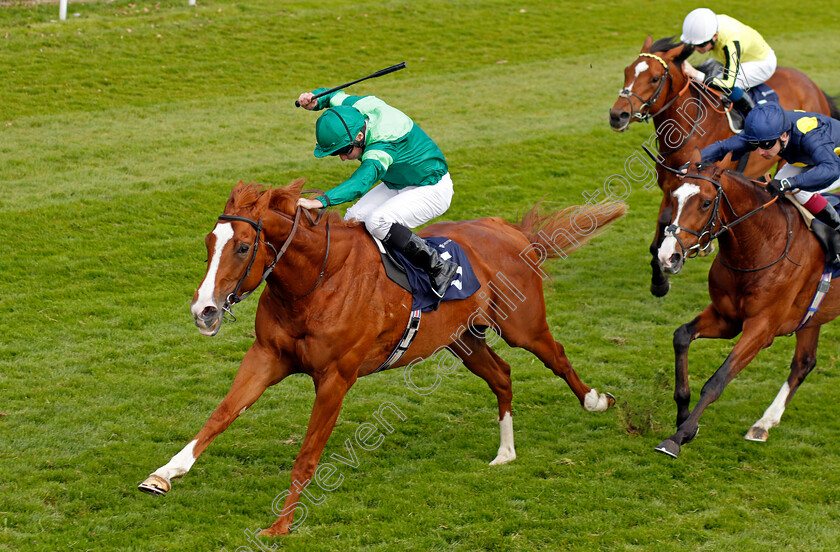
[833,110]
[561,232]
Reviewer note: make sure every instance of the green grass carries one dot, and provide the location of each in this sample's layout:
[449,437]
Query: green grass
[118,149]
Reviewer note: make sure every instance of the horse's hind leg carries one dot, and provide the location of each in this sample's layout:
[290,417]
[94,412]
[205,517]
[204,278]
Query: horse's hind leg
[804,360]
[553,355]
[487,365]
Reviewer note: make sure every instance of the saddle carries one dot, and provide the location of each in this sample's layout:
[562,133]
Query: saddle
[415,280]
[821,231]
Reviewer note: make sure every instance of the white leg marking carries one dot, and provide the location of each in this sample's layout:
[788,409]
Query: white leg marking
[773,414]
[506,451]
[596,402]
[223,232]
[669,244]
[180,463]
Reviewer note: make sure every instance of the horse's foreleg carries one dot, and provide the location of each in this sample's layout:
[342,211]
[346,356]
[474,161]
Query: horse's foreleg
[329,395]
[709,324]
[487,365]
[804,360]
[756,337]
[659,284]
[259,369]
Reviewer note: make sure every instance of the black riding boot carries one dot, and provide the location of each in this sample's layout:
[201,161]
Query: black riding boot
[828,216]
[745,104]
[421,254]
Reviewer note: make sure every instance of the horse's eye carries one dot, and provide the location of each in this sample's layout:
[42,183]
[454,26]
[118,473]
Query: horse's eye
[655,79]
[243,248]
[707,203]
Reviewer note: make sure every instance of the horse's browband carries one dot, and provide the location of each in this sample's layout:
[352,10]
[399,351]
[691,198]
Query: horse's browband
[657,58]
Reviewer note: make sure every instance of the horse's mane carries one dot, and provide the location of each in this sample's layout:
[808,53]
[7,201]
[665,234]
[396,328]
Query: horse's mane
[283,199]
[669,43]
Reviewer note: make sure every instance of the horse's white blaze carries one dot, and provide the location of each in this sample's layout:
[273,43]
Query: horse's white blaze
[596,402]
[641,67]
[773,414]
[506,451]
[223,232]
[669,244]
[180,463]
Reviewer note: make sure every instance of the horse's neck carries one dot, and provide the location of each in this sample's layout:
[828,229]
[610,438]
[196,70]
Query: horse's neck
[748,236]
[313,254]
[686,123]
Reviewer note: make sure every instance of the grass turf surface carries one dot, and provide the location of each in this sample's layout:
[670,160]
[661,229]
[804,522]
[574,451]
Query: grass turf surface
[123,130]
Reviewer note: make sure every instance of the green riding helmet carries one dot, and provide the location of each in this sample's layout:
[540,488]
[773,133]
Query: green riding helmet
[336,129]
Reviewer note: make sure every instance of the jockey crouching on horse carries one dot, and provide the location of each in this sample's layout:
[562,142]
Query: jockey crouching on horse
[809,142]
[416,186]
[746,57]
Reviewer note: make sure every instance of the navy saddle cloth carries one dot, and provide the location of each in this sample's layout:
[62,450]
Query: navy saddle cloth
[423,298]
[763,93]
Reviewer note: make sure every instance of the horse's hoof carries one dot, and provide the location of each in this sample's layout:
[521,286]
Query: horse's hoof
[669,447]
[660,290]
[155,484]
[610,399]
[758,434]
[503,457]
[273,532]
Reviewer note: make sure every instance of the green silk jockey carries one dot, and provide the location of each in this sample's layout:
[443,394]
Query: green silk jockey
[746,57]
[414,183]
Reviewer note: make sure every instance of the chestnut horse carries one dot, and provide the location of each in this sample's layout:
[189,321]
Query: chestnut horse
[330,311]
[761,284]
[686,114]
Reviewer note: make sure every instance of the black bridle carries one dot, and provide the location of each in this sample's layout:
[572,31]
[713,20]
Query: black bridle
[643,114]
[234,297]
[715,219]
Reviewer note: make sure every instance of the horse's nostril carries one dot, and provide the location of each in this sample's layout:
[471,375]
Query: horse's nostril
[624,115]
[208,312]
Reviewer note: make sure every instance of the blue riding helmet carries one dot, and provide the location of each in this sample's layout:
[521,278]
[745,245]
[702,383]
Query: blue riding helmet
[766,121]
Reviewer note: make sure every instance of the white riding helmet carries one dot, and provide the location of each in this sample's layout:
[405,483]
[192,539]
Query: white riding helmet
[699,26]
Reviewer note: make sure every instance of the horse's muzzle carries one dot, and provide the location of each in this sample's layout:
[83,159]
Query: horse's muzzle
[208,321]
[619,120]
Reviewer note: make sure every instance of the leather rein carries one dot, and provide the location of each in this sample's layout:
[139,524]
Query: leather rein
[234,297]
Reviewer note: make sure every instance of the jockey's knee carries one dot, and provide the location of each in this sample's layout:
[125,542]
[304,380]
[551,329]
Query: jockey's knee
[378,227]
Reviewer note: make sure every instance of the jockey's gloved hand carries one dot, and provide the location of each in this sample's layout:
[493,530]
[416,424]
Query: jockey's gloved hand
[777,188]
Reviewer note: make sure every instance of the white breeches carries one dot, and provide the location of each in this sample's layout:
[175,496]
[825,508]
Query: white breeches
[803,196]
[410,206]
[753,73]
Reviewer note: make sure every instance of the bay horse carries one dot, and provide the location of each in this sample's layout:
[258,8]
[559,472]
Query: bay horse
[761,284]
[330,311]
[687,115]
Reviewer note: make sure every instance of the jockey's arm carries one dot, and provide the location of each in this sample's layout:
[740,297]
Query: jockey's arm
[825,168]
[732,56]
[718,150]
[362,180]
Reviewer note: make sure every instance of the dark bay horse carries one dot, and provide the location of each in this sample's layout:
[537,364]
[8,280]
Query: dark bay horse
[330,311]
[687,115]
[761,284]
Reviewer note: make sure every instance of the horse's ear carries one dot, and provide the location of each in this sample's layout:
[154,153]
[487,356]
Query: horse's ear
[648,43]
[673,52]
[262,203]
[695,156]
[723,163]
